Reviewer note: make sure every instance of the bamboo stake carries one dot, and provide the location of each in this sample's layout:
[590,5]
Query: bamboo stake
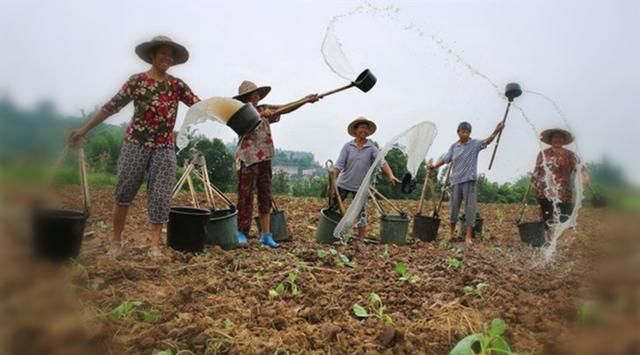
[384,198]
[423,192]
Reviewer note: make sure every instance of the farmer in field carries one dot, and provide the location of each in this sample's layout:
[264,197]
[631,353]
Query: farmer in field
[463,154]
[254,153]
[354,161]
[148,148]
[552,176]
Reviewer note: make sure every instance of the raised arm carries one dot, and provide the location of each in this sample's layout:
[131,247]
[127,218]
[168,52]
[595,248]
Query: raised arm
[493,135]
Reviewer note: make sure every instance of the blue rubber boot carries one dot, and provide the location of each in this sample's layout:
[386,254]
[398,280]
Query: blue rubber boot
[267,239]
[242,239]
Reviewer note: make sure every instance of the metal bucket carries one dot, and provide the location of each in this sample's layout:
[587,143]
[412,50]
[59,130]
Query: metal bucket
[365,81]
[329,219]
[245,120]
[57,234]
[532,233]
[477,227]
[394,228]
[425,228]
[278,226]
[223,228]
[187,228]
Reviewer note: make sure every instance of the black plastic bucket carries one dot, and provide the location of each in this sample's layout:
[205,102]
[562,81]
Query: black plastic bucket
[393,229]
[329,219]
[245,120]
[425,228]
[187,228]
[532,233]
[223,228]
[57,234]
[278,226]
[477,228]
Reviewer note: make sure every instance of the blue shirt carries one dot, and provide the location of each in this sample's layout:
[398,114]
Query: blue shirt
[465,160]
[354,163]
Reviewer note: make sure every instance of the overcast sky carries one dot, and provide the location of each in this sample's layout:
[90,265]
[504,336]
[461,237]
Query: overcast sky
[582,54]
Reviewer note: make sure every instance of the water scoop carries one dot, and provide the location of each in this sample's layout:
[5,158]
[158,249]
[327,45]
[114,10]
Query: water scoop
[365,81]
[511,91]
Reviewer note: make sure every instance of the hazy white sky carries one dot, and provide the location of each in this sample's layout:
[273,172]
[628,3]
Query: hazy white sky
[582,54]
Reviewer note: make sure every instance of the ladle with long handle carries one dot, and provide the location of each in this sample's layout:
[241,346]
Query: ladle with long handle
[365,81]
[423,192]
[334,186]
[512,90]
[436,211]
[385,199]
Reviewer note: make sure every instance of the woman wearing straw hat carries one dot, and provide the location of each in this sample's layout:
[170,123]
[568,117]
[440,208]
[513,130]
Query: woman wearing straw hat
[355,159]
[552,176]
[253,161]
[148,148]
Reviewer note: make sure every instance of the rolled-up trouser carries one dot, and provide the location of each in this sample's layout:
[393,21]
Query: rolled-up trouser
[136,161]
[464,192]
[254,177]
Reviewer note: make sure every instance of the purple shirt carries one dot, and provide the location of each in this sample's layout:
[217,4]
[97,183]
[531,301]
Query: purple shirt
[354,163]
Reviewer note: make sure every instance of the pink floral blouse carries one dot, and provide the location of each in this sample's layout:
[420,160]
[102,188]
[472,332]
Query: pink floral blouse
[155,108]
[257,146]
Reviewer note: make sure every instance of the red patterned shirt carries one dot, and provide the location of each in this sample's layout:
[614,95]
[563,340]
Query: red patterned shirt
[562,164]
[257,145]
[155,108]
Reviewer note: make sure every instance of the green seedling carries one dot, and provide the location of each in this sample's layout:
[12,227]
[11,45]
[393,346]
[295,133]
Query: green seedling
[376,309]
[477,290]
[322,253]
[163,352]
[150,316]
[401,269]
[453,262]
[289,283]
[228,324]
[385,254]
[125,309]
[343,260]
[489,342]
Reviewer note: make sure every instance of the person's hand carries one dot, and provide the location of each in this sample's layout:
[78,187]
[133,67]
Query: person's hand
[75,136]
[266,113]
[312,98]
[394,180]
[500,126]
[429,167]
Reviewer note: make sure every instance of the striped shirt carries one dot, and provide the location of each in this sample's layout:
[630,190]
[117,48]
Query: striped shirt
[465,160]
[354,163]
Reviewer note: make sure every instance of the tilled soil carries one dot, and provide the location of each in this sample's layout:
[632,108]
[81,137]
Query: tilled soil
[218,302]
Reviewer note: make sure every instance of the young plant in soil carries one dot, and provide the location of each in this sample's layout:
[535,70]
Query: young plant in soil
[401,269]
[129,307]
[489,342]
[385,254]
[376,309]
[288,284]
[477,290]
[453,262]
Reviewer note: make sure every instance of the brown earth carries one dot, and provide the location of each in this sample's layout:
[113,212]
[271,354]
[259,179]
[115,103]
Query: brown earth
[218,302]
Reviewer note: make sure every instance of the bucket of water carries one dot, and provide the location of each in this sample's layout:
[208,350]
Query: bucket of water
[245,120]
[223,228]
[278,227]
[394,228]
[329,219]
[365,81]
[425,228]
[57,234]
[532,233]
[477,228]
[187,228]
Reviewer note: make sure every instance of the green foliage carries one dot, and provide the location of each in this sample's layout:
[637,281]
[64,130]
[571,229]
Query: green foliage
[401,269]
[489,342]
[376,309]
[453,262]
[130,307]
[477,290]
[289,284]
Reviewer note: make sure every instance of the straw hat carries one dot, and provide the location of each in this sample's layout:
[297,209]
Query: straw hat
[546,135]
[143,50]
[247,87]
[351,129]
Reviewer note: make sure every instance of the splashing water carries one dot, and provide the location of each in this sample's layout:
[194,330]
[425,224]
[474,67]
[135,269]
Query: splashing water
[336,59]
[216,109]
[415,142]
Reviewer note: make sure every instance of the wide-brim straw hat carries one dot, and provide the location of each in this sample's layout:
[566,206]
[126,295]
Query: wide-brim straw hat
[546,135]
[352,126]
[180,55]
[248,87]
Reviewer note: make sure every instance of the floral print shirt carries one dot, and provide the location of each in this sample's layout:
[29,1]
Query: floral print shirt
[257,145]
[155,108]
[561,164]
